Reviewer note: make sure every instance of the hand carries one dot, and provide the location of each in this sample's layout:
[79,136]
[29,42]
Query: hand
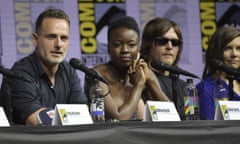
[136,72]
[148,73]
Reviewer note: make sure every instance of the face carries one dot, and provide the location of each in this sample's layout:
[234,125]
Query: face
[165,50]
[52,41]
[231,53]
[123,46]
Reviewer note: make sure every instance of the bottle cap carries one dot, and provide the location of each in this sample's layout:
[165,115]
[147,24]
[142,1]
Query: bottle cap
[189,80]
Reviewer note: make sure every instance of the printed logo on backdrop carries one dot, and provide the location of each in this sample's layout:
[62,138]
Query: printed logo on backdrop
[94,19]
[25,13]
[214,14]
[172,9]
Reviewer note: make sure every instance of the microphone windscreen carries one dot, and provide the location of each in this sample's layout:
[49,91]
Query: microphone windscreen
[74,62]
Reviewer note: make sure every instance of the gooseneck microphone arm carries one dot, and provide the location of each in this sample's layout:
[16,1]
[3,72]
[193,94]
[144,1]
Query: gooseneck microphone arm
[11,74]
[7,99]
[231,92]
[77,64]
[231,74]
[6,96]
[172,69]
[174,78]
[174,75]
[219,65]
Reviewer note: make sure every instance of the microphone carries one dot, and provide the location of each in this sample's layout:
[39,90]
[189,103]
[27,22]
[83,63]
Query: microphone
[12,74]
[173,69]
[77,64]
[221,66]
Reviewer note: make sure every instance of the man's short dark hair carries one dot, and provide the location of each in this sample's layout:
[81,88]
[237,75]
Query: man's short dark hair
[51,13]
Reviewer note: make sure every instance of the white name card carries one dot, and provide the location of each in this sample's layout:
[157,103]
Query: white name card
[227,110]
[71,114]
[3,118]
[161,111]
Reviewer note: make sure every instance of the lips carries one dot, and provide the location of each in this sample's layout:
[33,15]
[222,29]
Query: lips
[57,53]
[167,54]
[232,62]
[125,58]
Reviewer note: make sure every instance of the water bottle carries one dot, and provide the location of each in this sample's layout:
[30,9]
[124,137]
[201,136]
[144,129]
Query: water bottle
[97,103]
[220,93]
[191,105]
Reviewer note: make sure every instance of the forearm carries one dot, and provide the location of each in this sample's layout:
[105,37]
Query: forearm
[154,88]
[32,119]
[157,94]
[127,109]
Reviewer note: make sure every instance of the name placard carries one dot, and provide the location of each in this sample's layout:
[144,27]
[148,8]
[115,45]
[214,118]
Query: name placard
[227,110]
[71,114]
[160,111]
[3,118]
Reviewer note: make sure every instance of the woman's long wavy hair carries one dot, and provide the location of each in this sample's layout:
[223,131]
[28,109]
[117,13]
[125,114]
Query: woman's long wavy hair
[216,46]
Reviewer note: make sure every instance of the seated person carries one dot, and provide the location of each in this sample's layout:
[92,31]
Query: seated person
[224,45]
[162,41]
[128,75]
[54,81]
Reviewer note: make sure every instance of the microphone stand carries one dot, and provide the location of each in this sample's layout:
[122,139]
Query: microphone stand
[174,77]
[7,99]
[230,79]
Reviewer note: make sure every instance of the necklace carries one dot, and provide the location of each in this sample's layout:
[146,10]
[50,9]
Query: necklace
[118,76]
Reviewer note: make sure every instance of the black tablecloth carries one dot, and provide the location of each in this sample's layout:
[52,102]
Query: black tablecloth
[130,132]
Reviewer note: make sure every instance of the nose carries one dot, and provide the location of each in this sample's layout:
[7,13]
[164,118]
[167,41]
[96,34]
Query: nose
[169,45]
[234,52]
[58,42]
[124,47]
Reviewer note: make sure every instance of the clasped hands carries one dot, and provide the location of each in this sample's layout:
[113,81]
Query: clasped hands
[139,72]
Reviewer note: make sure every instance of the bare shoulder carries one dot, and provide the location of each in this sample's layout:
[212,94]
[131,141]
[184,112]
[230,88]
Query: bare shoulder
[103,70]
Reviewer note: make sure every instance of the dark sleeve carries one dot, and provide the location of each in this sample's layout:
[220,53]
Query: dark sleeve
[77,95]
[3,101]
[24,96]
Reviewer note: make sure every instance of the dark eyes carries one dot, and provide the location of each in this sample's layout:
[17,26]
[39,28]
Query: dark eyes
[121,44]
[230,48]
